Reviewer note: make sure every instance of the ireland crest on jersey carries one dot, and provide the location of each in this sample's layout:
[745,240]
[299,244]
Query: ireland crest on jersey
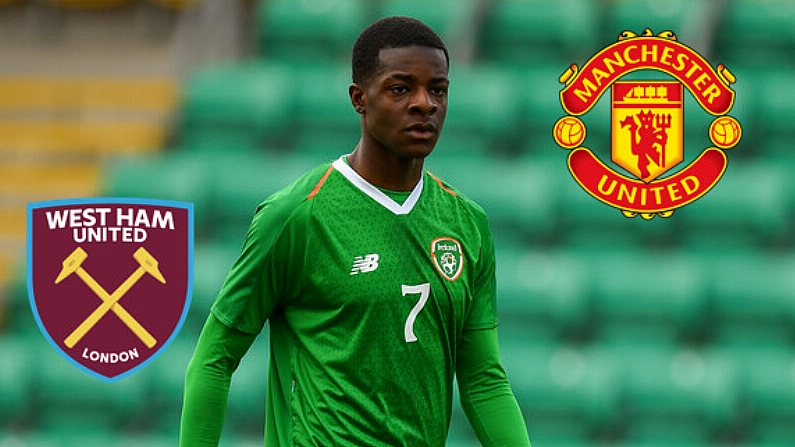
[448,257]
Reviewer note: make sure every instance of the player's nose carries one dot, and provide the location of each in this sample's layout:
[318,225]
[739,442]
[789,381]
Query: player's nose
[422,101]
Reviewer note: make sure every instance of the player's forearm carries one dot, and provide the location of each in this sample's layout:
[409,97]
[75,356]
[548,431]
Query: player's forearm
[207,379]
[496,419]
[204,408]
[486,395]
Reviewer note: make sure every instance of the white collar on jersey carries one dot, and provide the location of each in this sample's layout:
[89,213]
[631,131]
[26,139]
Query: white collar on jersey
[375,193]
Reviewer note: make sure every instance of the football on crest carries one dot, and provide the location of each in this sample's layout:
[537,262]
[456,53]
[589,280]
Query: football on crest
[725,132]
[569,132]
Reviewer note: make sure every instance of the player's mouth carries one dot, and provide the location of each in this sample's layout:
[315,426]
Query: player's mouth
[421,131]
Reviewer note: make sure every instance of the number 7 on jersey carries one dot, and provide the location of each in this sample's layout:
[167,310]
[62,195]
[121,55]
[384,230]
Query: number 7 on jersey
[425,291]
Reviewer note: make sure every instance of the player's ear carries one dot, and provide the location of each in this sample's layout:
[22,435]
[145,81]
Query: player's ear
[358,98]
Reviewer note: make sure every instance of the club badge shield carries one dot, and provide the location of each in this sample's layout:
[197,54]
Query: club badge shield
[647,123]
[109,280]
[647,127]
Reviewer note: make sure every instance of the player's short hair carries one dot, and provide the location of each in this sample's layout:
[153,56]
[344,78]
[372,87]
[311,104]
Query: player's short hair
[390,32]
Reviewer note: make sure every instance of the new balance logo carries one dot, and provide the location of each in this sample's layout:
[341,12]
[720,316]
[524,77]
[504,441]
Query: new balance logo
[364,264]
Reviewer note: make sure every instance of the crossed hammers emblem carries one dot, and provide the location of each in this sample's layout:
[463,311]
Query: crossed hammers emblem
[110,301]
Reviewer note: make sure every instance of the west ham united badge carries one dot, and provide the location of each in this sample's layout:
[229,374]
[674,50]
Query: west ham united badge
[109,280]
[647,123]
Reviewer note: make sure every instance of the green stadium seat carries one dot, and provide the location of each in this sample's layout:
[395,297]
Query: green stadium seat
[538,90]
[244,440]
[326,124]
[165,378]
[166,176]
[326,145]
[15,380]
[68,399]
[585,219]
[80,433]
[676,16]
[773,91]
[458,440]
[482,109]
[541,288]
[242,104]
[240,183]
[321,95]
[777,149]
[530,31]
[751,298]
[19,317]
[678,395]
[770,393]
[223,139]
[567,394]
[751,197]
[144,439]
[648,296]
[749,25]
[517,194]
[212,262]
[28,439]
[317,30]
[669,443]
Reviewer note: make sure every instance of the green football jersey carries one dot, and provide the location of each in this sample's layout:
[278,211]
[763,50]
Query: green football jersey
[366,299]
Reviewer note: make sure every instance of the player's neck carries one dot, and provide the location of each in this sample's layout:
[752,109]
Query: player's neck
[386,170]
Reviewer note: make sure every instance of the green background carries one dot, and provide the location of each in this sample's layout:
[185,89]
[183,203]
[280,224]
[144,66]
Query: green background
[675,332]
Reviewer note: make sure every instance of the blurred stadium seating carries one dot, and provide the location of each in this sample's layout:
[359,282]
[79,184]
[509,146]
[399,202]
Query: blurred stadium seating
[619,332]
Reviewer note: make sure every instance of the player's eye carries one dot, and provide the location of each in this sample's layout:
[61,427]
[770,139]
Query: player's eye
[439,91]
[399,89]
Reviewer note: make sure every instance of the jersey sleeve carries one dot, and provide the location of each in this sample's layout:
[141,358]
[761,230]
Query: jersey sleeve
[484,307]
[207,380]
[486,396]
[267,272]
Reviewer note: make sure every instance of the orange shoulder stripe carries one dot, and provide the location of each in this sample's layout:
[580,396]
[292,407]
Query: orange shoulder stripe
[320,183]
[442,184]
